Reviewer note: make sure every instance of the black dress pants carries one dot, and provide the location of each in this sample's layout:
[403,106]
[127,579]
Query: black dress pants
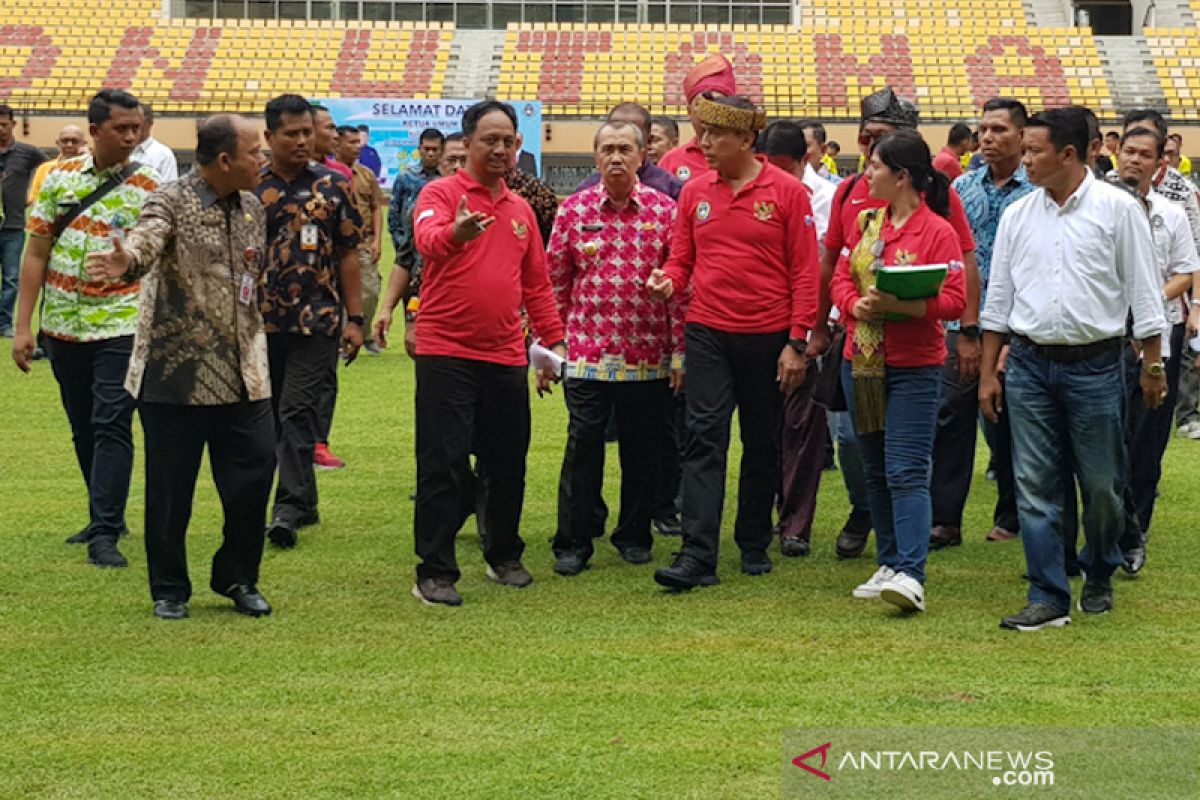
[954,442]
[241,452]
[463,406]
[643,423]
[728,371]
[299,376]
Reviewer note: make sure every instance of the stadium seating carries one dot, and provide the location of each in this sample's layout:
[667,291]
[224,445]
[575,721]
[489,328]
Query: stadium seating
[950,65]
[1176,53]
[48,62]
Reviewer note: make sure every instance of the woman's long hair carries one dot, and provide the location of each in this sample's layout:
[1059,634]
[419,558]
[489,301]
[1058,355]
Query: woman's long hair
[906,150]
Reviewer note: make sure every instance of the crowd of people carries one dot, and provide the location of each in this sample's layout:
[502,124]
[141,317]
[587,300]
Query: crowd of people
[883,316]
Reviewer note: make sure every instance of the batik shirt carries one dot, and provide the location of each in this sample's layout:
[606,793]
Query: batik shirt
[984,202]
[75,307]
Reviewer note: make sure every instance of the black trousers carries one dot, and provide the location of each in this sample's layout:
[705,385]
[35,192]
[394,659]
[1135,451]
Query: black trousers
[241,452]
[643,424]
[727,371]
[299,374]
[954,442]
[666,495]
[91,383]
[328,403]
[464,406]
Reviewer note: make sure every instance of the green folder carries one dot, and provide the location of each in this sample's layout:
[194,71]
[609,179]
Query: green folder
[918,282]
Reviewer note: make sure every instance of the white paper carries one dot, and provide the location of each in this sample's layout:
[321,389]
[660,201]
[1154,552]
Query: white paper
[541,357]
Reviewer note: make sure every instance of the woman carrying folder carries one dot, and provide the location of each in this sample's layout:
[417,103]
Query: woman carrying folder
[894,353]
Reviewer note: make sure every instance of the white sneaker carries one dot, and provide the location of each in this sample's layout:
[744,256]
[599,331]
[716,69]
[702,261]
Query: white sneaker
[1193,430]
[904,592]
[870,589]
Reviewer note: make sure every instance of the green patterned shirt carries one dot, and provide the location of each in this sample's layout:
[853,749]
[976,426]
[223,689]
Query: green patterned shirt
[77,308]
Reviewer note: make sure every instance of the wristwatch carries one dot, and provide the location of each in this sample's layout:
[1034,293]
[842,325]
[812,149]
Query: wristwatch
[799,345]
[1155,369]
[971,331]
[357,319]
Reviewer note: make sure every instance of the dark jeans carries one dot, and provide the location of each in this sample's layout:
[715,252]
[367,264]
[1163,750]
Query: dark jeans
[954,445]
[11,244]
[464,406]
[805,435]
[1148,432]
[727,371]
[91,382]
[898,462]
[643,418]
[299,375]
[841,428]
[241,452]
[1055,408]
[666,496]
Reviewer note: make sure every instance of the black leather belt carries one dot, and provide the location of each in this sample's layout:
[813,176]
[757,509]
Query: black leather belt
[1069,353]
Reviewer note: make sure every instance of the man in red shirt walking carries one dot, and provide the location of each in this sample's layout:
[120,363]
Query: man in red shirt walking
[745,242]
[949,161]
[483,262]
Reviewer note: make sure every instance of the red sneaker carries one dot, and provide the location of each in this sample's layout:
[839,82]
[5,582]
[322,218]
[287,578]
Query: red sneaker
[323,459]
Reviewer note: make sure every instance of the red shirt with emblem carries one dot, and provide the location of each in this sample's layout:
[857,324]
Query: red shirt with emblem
[848,203]
[472,293]
[925,238]
[686,161]
[750,258]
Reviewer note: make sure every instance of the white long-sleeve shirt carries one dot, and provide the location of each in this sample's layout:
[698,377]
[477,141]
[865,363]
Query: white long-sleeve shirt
[1069,274]
[822,199]
[1176,254]
[156,154]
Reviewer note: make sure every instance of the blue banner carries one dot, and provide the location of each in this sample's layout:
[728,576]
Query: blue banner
[396,125]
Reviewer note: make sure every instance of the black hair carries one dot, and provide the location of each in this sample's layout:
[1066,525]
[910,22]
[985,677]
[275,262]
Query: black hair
[831,143]
[784,138]
[1113,135]
[1178,139]
[637,109]
[1160,141]
[670,125]
[100,108]
[906,151]
[818,130]
[472,115]
[6,111]
[432,134]
[364,129]
[291,105]
[959,133]
[1015,108]
[214,136]
[1146,115]
[342,130]
[1068,127]
[453,137]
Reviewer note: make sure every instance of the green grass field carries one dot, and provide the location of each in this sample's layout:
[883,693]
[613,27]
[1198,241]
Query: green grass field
[600,686]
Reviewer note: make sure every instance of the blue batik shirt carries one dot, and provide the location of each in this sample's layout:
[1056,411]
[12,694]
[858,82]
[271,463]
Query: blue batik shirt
[984,202]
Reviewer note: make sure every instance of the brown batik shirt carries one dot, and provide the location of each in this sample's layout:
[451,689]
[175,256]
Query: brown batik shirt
[200,338]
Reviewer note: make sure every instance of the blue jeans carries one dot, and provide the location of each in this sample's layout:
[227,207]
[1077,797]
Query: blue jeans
[11,244]
[1054,408]
[841,430]
[898,462]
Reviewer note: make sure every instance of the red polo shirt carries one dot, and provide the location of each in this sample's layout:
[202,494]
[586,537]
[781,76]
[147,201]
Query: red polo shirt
[843,217]
[925,239]
[472,294]
[948,163]
[750,258]
[686,161]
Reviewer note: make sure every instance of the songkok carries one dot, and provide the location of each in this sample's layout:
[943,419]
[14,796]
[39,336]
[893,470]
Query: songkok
[720,115]
[884,106]
[713,74]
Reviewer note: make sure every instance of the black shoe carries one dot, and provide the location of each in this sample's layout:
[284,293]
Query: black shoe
[510,573]
[1096,598]
[308,520]
[1135,559]
[437,591]
[794,546]
[944,536]
[687,572]
[104,553]
[635,555]
[282,534]
[755,562]
[83,537]
[569,564]
[1036,616]
[170,609]
[669,526]
[247,600]
[852,541]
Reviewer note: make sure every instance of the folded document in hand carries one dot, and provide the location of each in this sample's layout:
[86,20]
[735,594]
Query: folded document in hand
[542,357]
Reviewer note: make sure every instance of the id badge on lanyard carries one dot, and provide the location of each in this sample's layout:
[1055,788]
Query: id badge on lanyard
[309,237]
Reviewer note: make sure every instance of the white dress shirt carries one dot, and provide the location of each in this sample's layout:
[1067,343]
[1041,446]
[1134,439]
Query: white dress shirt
[821,198]
[154,153]
[1176,255]
[1068,275]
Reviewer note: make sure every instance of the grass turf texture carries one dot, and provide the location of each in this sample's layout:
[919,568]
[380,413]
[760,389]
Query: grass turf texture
[599,686]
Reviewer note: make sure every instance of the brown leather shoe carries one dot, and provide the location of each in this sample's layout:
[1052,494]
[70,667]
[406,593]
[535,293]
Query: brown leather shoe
[999,534]
[944,536]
